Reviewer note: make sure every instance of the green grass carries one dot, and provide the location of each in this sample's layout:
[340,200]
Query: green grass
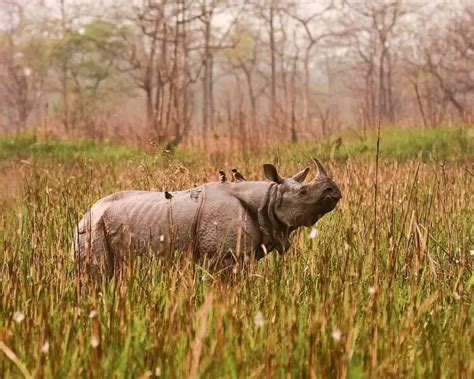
[332,307]
[440,144]
[29,147]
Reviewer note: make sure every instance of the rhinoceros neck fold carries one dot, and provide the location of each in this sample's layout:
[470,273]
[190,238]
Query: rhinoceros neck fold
[261,198]
[252,195]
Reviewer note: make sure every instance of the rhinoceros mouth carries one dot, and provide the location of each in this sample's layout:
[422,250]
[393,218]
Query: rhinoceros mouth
[327,206]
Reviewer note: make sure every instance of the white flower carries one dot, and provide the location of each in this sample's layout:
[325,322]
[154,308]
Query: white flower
[162,238]
[259,320]
[336,335]
[18,316]
[456,295]
[158,371]
[214,223]
[313,233]
[45,348]
[81,31]
[27,71]
[94,341]
[346,246]
[372,291]
[93,314]
[472,253]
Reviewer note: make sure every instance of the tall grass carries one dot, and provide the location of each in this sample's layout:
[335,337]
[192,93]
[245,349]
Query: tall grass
[310,313]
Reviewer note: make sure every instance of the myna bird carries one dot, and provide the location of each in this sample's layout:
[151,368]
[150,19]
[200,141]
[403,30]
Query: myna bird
[237,175]
[168,196]
[222,177]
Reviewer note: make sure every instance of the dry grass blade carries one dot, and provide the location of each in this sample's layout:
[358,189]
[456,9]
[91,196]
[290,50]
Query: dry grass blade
[12,356]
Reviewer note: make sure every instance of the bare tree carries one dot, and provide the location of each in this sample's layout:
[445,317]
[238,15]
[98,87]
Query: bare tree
[371,30]
[20,84]
[246,58]
[449,58]
[313,38]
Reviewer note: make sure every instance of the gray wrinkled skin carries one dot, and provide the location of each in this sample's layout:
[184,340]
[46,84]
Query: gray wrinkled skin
[220,222]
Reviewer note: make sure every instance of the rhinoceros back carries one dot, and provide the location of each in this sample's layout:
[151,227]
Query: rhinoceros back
[136,221]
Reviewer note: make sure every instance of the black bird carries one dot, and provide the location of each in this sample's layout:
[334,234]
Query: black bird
[237,175]
[222,177]
[168,195]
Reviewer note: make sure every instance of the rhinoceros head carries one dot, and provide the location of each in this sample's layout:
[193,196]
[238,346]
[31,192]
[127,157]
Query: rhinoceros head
[300,204]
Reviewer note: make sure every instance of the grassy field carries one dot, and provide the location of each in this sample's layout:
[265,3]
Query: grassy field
[380,291]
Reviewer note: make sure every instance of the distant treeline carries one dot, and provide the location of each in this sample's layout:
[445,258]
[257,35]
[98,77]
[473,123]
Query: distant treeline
[244,71]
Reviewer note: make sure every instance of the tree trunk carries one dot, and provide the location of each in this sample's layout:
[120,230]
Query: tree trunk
[382,90]
[212,105]
[206,77]
[273,59]
[64,78]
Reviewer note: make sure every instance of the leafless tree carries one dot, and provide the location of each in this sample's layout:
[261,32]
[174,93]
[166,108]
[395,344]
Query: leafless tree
[20,85]
[449,58]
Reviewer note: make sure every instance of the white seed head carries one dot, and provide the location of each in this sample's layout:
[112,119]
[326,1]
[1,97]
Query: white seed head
[158,371]
[336,335]
[162,238]
[27,71]
[259,320]
[372,291]
[93,314]
[45,348]
[456,296]
[94,341]
[18,316]
[313,233]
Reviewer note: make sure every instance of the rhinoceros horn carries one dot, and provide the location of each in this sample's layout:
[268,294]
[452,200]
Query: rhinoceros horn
[320,171]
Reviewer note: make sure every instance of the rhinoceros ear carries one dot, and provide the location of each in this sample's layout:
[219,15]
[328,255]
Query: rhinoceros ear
[271,173]
[301,176]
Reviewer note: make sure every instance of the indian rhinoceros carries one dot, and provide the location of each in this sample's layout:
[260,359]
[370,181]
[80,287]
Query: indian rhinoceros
[219,222]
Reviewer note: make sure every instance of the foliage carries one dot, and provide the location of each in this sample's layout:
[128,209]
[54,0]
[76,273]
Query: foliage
[332,307]
[245,40]
[89,54]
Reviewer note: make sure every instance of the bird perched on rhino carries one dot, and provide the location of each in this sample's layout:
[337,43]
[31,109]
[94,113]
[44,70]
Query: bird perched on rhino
[222,177]
[238,177]
[168,196]
[265,212]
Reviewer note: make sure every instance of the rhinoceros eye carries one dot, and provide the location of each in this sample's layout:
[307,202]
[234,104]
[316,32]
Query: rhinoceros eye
[327,190]
[303,191]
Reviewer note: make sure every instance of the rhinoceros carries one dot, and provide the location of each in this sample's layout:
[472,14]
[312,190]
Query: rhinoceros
[219,222]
